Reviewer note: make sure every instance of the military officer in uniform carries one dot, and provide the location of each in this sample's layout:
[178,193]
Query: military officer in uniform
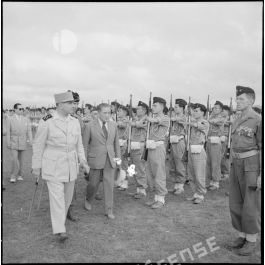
[245,175]
[214,146]
[138,137]
[18,135]
[156,159]
[199,128]
[177,140]
[57,149]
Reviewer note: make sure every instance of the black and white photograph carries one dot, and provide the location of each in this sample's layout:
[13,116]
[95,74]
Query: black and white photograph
[132,132]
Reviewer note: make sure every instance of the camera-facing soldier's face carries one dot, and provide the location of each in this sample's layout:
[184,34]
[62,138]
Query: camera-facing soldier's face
[140,111]
[157,108]
[197,113]
[243,101]
[104,114]
[178,109]
[217,109]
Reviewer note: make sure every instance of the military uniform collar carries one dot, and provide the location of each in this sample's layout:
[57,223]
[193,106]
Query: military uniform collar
[58,117]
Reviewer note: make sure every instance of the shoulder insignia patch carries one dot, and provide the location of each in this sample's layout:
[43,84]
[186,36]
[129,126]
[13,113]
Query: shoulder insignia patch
[45,118]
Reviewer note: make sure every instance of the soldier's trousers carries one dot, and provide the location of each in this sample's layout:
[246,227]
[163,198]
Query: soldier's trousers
[197,171]
[156,170]
[60,195]
[213,165]
[245,203]
[140,175]
[178,168]
[225,162]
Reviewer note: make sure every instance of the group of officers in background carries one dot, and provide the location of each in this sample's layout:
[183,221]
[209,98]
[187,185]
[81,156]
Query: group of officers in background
[202,148]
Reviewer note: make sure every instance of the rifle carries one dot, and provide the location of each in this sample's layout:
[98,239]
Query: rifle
[170,125]
[128,153]
[32,201]
[145,153]
[230,131]
[208,108]
[116,110]
[186,153]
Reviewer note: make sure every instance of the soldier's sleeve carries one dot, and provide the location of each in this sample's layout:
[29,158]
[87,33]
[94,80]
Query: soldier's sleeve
[181,119]
[141,124]
[203,126]
[217,121]
[86,138]
[164,124]
[8,131]
[259,135]
[80,147]
[116,143]
[39,144]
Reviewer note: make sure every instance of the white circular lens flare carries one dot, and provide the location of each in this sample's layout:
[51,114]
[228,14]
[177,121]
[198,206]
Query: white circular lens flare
[64,41]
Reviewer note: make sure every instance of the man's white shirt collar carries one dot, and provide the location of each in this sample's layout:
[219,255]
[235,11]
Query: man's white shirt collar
[101,123]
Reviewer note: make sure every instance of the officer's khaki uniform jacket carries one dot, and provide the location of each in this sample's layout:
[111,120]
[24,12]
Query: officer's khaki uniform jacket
[57,148]
[18,131]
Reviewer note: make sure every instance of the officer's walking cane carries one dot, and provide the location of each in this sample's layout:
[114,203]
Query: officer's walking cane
[41,191]
[32,201]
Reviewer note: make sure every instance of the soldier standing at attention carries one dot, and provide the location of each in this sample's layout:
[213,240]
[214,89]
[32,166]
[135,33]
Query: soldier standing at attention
[177,140]
[156,159]
[214,147]
[197,155]
[18,134]
[139,130]
[245,175]
[56,150]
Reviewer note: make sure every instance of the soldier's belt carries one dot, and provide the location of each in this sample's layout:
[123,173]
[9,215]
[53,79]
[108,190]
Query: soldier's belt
[214,139]
[136,145]
[122,142]
[151,144]
[196,148]
[245,154]
[175,138]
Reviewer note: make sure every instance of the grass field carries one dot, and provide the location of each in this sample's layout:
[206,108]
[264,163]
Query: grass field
[138,234]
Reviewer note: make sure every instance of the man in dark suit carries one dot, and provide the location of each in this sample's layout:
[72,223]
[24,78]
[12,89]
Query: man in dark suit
[102,150]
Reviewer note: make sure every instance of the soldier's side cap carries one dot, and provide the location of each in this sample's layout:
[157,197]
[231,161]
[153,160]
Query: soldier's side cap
[181,102]
[226,107]
[75,95]
[219,103]
[159,100]
[243,89]
[114,103]
[201,106]
[142,104]
[63,97]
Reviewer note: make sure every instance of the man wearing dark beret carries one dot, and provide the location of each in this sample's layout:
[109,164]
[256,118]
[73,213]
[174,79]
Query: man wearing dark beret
[156,160]
[214,147]
[114,108]
[178,146]
[138,137]
[225,162]
[245,175]
[123,132]
[199,128]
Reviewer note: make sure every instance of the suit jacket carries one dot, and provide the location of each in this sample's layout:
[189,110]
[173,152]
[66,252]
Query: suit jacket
[18,131]
[97,147]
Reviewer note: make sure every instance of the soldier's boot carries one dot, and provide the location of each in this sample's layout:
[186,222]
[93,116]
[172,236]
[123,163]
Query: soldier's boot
[199,199]
[140,193]
[194,197]
[179,188]
[214,186]
[160,202]
[150,200]
[62,237]
[238,243]
[248,249]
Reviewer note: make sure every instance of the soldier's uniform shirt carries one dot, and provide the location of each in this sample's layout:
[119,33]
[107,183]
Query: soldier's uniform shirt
[214,150]
[245,203]
[139,135]
[197,161]
[178,171]
[56,150]
[155,167]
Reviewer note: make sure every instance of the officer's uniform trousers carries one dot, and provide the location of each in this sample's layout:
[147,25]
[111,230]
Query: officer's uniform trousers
[178,168]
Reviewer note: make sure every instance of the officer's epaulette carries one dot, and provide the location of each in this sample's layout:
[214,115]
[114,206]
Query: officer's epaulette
[45,118]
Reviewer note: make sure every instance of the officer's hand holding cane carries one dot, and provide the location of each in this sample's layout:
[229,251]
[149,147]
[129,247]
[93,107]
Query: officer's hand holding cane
[85,166]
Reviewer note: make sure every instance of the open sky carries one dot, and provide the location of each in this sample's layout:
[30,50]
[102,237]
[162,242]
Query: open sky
[118,49]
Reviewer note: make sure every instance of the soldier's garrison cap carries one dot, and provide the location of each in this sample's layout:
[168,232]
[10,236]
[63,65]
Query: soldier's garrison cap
[142,104]
[181,102]
[219,103]
[244,90]
[124,108]
[159,100]
[63,97]
[75,95]
[115,103]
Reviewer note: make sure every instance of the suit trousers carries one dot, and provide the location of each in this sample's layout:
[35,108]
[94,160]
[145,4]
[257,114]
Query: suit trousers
[140,176]
[178,168]
[17,162]
[95,176]
[60,195]
[156,170]
[213,165]
[245,203]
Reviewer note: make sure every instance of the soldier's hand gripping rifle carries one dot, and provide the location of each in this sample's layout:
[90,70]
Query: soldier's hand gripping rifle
[187,136]
[230,131]
[145,153]
[170,125]
[208,108]
[128,151]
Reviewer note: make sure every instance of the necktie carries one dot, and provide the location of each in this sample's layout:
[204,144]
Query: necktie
[105,130]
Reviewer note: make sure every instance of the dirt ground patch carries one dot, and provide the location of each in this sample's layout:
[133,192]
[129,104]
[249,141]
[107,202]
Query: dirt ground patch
[138,234]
